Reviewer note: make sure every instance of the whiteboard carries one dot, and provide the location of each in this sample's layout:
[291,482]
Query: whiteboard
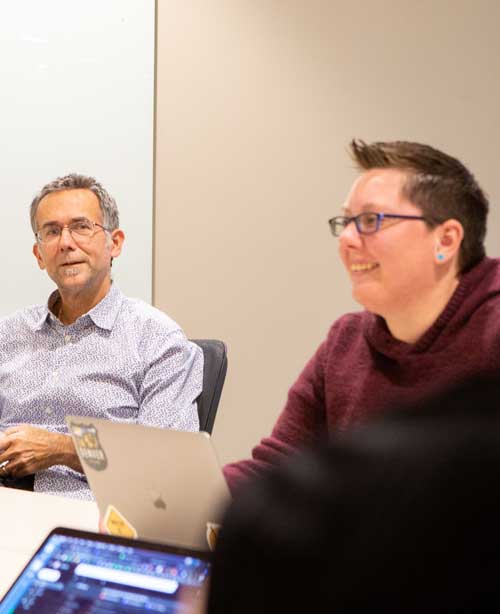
[77,95]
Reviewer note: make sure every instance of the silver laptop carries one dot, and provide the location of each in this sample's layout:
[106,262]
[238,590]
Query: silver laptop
[152,483]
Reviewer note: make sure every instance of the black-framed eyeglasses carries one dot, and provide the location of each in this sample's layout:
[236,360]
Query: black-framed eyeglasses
[366,223]
[79,229]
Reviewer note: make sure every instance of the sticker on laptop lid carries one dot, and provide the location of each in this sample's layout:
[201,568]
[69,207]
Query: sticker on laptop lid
[212,534]
[115,523]
[89,447]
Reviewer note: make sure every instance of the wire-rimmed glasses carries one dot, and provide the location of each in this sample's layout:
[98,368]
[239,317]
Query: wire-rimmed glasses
[79,229]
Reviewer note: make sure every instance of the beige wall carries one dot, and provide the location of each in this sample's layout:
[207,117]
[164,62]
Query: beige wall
[256,102]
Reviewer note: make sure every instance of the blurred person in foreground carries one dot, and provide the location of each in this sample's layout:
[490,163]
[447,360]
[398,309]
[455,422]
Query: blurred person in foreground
[411,237]
[400,515]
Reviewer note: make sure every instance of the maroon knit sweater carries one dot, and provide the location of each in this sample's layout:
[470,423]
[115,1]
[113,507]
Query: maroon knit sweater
[361,368]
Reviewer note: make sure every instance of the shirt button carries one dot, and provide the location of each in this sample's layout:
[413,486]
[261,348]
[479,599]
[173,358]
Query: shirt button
[49,411]
[67,339]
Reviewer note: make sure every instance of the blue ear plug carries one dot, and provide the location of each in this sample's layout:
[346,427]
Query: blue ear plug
[440,257]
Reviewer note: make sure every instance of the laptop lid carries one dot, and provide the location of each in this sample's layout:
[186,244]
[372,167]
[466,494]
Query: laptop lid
[153,483]
[78,571]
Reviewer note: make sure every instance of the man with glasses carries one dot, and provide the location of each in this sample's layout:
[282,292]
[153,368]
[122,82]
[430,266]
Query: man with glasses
[411,239]
[90,350]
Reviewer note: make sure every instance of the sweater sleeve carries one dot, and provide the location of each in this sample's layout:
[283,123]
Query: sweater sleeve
[299,424]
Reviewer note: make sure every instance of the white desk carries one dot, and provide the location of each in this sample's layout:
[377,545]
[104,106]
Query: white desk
[27,517]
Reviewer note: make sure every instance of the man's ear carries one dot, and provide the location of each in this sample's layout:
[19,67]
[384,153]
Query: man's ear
[117,239]
[449,237]
[38,256]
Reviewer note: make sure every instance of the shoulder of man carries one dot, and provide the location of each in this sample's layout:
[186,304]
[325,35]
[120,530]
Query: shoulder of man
[29,316]
[146,318]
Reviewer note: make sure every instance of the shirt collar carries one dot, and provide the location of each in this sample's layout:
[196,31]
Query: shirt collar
[103,315]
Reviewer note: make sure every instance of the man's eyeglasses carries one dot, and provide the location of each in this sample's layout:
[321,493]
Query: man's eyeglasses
[79,229]
[366,223]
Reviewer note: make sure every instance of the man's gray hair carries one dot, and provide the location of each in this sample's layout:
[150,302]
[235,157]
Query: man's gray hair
[74,181]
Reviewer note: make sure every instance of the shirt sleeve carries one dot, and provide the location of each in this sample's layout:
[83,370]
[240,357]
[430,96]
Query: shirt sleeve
[301,422]
[172,380]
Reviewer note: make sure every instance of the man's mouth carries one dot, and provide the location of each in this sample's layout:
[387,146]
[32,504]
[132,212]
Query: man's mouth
[368,266]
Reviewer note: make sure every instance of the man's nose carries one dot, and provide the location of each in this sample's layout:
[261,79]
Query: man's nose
[66,239]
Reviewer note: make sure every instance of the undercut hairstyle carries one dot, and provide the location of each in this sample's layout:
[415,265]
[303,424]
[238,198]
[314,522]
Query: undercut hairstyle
[75,181]
[438,184]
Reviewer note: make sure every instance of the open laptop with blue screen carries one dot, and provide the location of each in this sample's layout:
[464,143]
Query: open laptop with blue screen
[78,571]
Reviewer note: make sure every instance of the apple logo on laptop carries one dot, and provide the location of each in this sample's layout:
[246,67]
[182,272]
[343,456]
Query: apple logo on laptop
[158,501]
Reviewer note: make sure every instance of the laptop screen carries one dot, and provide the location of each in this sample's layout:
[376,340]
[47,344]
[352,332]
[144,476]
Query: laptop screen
[76,571]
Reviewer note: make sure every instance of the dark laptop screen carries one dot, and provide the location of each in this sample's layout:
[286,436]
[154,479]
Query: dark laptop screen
[84,572]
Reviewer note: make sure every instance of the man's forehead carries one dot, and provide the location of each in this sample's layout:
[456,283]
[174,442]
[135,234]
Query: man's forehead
[72,203]
[80,218]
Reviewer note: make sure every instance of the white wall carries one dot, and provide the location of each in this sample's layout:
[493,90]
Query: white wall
[77,95]
[257,100]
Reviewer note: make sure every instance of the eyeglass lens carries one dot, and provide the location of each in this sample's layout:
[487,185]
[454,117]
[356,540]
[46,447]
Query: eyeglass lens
[82,228]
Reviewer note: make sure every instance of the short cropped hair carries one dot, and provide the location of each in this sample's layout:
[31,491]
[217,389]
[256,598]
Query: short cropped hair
[75,181]
[438,184]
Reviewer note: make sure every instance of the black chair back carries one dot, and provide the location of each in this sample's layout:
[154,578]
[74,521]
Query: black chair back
[214,374]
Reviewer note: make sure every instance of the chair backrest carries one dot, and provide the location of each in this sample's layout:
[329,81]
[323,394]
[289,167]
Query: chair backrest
[214,374]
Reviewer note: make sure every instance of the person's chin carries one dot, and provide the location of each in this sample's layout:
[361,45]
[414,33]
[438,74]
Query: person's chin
[368,297]
[68,282]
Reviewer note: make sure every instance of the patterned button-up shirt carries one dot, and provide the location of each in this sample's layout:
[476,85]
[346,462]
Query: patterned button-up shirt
[124,360]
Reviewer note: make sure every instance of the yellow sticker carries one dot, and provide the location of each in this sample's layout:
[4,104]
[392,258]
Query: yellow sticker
[212,534]
[116,524]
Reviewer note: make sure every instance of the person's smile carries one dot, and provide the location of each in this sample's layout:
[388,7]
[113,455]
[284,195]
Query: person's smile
[363,267]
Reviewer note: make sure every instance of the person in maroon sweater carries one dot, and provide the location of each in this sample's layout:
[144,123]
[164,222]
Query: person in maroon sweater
[411,238]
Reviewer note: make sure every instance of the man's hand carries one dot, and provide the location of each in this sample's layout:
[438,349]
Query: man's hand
[30,449]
